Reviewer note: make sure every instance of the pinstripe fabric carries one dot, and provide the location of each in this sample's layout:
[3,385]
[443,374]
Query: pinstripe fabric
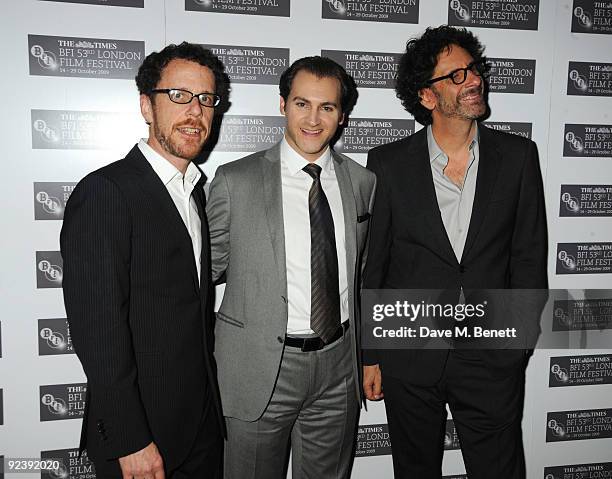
[324,289]
[140,320]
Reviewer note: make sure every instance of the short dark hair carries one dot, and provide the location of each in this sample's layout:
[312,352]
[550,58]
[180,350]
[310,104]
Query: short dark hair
[322,67]
[151,69]
[419,61]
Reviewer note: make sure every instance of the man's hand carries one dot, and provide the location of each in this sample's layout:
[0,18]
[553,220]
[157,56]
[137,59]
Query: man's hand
[144,464]
[372,382]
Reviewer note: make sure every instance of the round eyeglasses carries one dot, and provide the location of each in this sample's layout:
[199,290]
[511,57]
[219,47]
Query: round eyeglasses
[183,97]
[458,76]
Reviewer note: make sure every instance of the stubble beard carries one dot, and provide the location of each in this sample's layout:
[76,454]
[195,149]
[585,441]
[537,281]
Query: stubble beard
[457,109]
[172,147]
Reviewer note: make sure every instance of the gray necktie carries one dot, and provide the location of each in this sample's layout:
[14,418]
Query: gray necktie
[325,293]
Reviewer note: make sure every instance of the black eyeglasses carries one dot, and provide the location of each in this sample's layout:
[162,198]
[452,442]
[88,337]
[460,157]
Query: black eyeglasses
[183,97]
[459,75]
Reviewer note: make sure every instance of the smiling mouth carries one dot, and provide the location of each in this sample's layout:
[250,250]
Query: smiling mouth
[190,131]
[311,132]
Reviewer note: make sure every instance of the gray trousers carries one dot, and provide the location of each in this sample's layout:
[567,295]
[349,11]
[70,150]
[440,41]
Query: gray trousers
[313,411]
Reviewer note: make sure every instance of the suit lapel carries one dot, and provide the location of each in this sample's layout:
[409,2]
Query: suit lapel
[273,199]
[488,167]
[426,200]
[349,210]
[162,202]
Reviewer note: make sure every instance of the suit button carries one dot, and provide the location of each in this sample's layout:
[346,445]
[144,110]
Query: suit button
[280,339]
[462,269]
[284,299]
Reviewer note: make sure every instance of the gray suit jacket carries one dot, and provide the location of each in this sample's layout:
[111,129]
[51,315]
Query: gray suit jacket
[245,215]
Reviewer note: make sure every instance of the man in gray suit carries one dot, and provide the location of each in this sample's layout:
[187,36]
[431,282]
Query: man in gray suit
[288,227]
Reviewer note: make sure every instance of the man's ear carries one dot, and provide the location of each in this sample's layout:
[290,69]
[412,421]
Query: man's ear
[341,121]
[146,108]
[282,106]
[428,99]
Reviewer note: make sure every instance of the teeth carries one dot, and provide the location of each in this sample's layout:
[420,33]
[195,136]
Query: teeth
[190,130]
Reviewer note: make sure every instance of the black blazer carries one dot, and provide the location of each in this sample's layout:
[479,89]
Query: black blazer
[140,321]
[506,245]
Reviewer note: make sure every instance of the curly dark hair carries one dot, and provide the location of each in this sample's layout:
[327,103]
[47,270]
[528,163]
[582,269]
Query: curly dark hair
[151,69]
[322,67]
[419,61]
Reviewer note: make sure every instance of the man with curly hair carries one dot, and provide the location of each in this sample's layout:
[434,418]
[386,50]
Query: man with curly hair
[137,284]
[458,207]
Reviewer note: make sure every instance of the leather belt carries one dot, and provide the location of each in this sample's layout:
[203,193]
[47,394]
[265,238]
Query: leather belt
[315,343]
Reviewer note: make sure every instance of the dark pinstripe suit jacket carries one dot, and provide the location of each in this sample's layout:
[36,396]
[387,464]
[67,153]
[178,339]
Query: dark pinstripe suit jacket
[140,320]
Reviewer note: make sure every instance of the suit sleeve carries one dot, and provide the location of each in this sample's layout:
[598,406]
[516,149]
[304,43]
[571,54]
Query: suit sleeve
[218,213]
[528,260]
[364,257]
[95,244]
[379,241]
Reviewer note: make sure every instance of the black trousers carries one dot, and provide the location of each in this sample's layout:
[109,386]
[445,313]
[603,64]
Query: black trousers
[487,410]
[204,461]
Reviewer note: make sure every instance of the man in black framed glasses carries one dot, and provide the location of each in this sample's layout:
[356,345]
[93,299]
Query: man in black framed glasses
[137,284]
[458,207]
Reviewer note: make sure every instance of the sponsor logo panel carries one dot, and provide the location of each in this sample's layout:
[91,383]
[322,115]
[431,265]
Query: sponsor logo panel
[368,69]
[84,57]
[62,401]
[587,140]
[109,3]
[72,465]
[373,440]
[274,8]
[585,200]
[578,425]
[451,438]
[50,199]
[362,134]
[579,471]
[514,128]
[248,133]
[582,314]
[82,130]
[584,258]
[398,11]
[589,79]
[592,16]
[257,65]
[580,370]
[511,15]
[54,337]
[511,75]
[49,269]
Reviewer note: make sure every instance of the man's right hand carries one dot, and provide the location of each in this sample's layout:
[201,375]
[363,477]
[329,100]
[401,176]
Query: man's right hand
[144,464]
[372,382]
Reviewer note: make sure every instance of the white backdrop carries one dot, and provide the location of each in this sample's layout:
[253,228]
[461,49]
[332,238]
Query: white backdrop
[71,106]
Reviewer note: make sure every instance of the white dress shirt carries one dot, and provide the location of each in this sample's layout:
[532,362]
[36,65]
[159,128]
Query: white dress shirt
[180,188]
[296,184]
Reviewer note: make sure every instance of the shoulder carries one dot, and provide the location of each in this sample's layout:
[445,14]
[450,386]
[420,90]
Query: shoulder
[394,147]
[245,165]
[112,179]
[361,173]
[502,139]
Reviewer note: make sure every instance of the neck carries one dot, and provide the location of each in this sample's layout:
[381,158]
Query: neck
[453,135]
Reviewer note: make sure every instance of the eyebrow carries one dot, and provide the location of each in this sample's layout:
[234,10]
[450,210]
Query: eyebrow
[326,103]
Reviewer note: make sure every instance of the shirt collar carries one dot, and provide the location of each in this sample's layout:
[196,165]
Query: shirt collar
[434,149]
[166,170]
[296,162]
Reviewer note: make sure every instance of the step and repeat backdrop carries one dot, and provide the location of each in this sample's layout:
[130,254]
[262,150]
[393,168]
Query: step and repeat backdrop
[71,106]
